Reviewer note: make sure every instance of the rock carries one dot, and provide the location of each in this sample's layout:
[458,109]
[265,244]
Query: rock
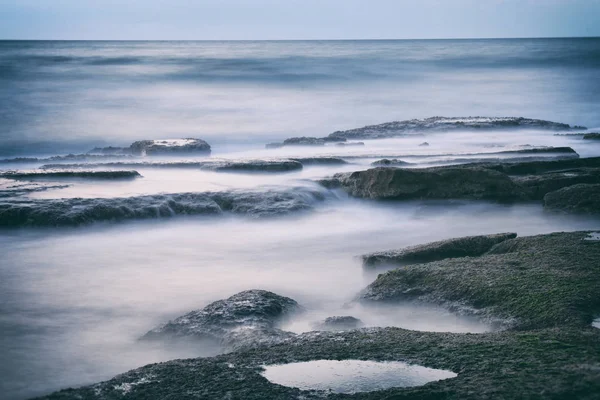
[110,150]
[538,167]
[170,147]
[343,144]
[530,282]
[434,183]
[539,185]
[470,246]
[591,136]
[581,198]
[246,317]
[443,124]
[543,150]
[253,166]
[550,363]
[338,324]
[320,161]
[82,211]
[424,144]
[389,163]
[304,141]
[49,174]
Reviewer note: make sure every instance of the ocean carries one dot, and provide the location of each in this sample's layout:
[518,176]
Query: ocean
[90,265]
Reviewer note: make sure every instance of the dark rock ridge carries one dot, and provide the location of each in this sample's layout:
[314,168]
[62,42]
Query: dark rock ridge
[110,150]
[385,162]
[81,211]
[11,188]
[68,157]
[469,246]
[581,198]
[304,141]
[45,174]
[531,282]
[591,136]
[339,323]
[248,317]
[212,165]
[527,181]
[320,160]
[170,147]
[443,124]
[433,183]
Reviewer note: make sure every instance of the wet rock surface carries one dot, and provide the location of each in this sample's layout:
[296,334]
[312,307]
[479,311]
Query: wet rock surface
[469,246]
[246,318]
[581,198]
[529,282]
[389,163]
[443,124]
[540,185]
[473,183]
[49,174]
[339,323]
[82,211]
[591,136]
[557,363]
[169,147]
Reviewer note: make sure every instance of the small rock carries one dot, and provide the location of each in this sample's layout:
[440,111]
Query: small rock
[338,323]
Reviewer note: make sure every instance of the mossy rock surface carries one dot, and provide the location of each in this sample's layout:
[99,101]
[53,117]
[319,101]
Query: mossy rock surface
[544,364]
[530,282]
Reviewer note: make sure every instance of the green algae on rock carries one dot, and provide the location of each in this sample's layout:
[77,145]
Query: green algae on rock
[529,282]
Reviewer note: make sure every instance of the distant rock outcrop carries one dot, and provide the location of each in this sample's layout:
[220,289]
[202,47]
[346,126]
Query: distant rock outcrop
[170,147]
[442,124]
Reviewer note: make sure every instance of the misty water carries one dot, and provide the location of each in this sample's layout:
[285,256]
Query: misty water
[74,301]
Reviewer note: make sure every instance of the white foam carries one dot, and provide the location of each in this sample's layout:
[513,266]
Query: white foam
[352,376]
[596,323]
[593,237]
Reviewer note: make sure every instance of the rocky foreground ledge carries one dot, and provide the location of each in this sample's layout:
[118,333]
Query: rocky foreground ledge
[547,287]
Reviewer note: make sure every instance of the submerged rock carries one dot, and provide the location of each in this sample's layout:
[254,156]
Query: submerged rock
[469,246]
[344,144]
[530,282]
[538,167]
[433,183]
[443,124]
[304,141]
[248,317]
[170,147]
[385,162]
[581,198]
[338,323]
[424,144]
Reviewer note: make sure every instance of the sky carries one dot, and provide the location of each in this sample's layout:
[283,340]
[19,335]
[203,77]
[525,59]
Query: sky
[295,19]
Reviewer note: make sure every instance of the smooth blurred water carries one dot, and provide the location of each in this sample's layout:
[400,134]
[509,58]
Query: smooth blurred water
[74,301]
[70,95]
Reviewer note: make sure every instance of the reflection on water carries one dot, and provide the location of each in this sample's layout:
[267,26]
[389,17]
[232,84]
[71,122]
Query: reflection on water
[352,376]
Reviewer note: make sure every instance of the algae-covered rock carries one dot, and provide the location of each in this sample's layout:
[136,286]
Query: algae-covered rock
[246,317]
[470,246]
[542,364]
[530,282]
[582,198]
[473,183]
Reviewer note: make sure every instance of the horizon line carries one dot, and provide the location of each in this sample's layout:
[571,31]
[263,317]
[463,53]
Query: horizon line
[299,40]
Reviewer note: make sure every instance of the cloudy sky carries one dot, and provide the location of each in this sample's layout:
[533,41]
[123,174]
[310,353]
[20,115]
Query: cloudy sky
[296,19]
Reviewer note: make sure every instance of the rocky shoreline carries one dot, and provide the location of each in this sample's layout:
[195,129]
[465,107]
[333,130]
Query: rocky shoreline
[544,287]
